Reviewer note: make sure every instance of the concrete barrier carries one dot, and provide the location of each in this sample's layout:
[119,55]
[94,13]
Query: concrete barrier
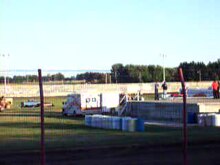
[29,90]
[168,111]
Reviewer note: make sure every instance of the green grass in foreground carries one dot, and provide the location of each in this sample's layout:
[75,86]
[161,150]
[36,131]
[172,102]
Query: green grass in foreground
[20,130]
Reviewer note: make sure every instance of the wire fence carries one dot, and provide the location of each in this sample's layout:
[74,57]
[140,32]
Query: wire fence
[97,139]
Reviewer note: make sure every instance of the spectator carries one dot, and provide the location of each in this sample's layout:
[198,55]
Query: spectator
[156,87]
[164,86]
[218,90]
[215,88]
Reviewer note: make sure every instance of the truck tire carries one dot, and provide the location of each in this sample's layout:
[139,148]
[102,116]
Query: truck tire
[113,111]
[74,113]
[22,104]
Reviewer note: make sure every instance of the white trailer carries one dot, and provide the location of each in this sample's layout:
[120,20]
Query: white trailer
[87,103]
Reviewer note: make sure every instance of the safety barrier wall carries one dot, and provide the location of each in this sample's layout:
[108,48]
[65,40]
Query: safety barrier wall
[168,111]
[21,90]
[160,111]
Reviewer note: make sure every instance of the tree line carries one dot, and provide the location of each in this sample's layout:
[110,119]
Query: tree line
[33,78]
[193,71]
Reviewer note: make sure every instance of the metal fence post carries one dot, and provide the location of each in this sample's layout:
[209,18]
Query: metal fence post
[185,133]
[43,154]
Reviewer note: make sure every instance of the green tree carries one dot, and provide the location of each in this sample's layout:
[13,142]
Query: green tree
[57,77]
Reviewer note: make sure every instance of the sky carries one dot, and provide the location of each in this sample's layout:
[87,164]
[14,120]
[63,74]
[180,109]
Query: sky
[95,34]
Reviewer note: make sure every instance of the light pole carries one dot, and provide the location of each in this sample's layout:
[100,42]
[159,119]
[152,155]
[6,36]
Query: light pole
[164,72]
[106,78]
[5,71]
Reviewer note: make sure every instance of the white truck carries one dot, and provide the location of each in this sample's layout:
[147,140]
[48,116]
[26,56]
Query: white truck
[91,103]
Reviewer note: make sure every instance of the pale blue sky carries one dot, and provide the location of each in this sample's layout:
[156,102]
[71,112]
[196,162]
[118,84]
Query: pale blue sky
[94,34]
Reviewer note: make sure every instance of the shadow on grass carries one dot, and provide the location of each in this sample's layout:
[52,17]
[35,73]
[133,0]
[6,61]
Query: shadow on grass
[57,125]
[47,114]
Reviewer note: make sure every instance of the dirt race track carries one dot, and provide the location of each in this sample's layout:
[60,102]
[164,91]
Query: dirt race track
[158,155]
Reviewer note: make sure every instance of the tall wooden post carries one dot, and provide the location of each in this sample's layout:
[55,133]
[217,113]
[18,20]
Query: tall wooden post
[185,133]
[43,153]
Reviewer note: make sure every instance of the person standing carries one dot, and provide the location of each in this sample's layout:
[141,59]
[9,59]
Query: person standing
[218,95]
[156,92]
[164,86]
[215,88]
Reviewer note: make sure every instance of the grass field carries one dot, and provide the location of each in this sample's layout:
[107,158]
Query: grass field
[20,131]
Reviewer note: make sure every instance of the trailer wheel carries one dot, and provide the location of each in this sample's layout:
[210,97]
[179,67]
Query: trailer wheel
[22,104]
[112,111]
[74,113]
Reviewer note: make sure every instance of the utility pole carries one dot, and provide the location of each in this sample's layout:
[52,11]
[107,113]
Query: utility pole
[4,70]
[106,78]
[164,72]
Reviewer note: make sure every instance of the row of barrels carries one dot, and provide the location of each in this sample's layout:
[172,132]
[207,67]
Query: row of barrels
[115,122]
[209,119]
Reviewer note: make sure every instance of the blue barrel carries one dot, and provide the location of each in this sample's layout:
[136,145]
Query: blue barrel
[110,122]
[140,125]
[94,121]
[216,120]
[201,119]
[191,116]
[104,122]
[125,122]
[209,119]
[116,123]
[99,119]
[119,124]
[88,120]
[132,125]
[107,122]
